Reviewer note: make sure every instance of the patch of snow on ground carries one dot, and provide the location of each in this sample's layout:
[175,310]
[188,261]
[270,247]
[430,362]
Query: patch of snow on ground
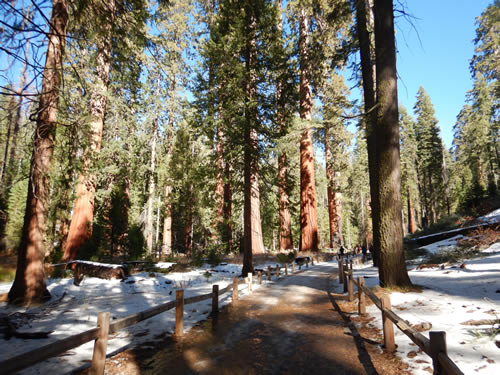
[74,309]
[439,246]
[450,297]
[492,217]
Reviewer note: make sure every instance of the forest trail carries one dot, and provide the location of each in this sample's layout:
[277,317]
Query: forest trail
[289,327]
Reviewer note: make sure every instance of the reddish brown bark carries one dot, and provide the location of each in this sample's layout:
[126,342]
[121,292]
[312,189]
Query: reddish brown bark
[285,235]
[392,267]
[167,222]
[308,215]
[83,213]
[252,230]
[285,232]
[411,215]
[29,284]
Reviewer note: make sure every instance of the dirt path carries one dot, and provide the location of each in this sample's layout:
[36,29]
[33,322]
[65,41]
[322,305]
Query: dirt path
[290,327]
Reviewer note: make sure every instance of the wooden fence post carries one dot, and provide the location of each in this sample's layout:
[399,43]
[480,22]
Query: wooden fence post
[312,261]
[286,269]
[235,290]
[250,281]
[215,300]
[179,313]
[307,263]
[361,296]
[259,277]
[438,345]
[293,267]
[345,268]
[389,343]
[341,272]
[277,271]
[100,345]
[351,287]
[268,273]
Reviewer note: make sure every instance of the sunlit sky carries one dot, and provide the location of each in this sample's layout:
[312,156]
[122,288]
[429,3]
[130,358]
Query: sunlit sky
[435,53]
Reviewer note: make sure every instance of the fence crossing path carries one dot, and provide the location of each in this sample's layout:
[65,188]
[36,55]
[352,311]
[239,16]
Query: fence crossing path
[289,327]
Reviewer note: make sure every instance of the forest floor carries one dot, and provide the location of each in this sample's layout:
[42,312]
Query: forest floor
[296,326]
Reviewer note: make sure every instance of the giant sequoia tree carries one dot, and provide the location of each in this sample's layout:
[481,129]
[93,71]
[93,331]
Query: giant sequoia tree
[29,284]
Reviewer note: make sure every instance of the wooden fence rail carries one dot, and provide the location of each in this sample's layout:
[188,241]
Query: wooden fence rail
[104,328]
[435,347]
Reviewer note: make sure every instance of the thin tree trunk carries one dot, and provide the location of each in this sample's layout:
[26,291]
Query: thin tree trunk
[392,267]
[29,284]
[167,222]
[83,213]
[10,123]
[411,216]
[151,189]
[308,217]
[369,96]
[228,208]
[333,217]
[252,231]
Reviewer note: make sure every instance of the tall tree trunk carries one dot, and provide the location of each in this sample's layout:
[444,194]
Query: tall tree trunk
[285,232]
[10,123]
[333,217]
[219,180]
[369,96]
[392,268]
[188,224]
[411,216]
[228,208]
[167,219]
[167,222]
[83,213]
[252,232]
[151,189]
[308,217]
[29,284]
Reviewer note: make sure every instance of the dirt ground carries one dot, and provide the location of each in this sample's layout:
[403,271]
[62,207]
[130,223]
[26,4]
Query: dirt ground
[295,326]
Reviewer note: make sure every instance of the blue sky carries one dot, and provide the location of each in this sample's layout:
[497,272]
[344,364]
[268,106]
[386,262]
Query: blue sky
[435,54]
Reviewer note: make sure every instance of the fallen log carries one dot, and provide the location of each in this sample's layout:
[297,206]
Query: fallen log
[11,331]
[83,268]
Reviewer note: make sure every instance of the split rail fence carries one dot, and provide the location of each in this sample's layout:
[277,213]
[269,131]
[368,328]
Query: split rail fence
[104,328]
[435,346]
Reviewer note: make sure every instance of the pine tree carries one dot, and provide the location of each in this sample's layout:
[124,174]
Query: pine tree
[430,158]
[392,268]
[409,179]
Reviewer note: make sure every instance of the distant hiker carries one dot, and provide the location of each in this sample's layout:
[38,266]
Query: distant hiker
[342,250]
[364,250]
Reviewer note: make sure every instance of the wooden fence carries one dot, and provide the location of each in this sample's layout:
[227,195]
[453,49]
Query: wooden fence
[435,346]
[104,327]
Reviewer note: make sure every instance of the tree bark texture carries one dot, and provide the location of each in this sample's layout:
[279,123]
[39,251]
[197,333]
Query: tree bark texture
[369,97]
[411,215]
[333,216]
[308,217]
[227,233]
[83,213]
[392,268]
[285,232]
[252,231]
[29,284]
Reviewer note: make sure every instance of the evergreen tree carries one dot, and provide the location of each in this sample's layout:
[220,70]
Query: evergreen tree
[392,268]
[29,283]
[409,177]
[430,158]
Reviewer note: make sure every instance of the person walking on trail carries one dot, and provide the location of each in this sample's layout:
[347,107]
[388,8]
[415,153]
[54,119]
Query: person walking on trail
[342,251]
[364,250]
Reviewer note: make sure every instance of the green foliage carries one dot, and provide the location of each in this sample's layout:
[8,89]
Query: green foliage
[17,207]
